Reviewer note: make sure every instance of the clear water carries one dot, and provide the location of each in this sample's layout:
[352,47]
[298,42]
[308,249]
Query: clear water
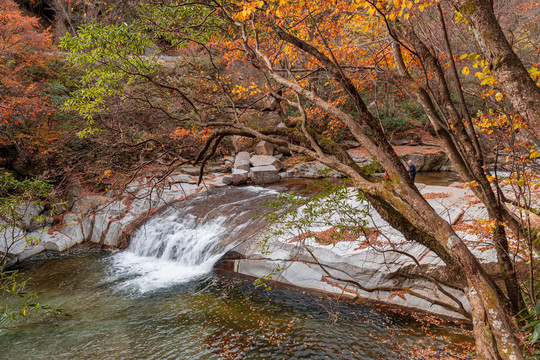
[161,299]
[213,316]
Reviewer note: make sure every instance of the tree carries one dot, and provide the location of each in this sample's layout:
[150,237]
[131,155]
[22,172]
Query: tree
[18,203]
[295,44]
[22,60]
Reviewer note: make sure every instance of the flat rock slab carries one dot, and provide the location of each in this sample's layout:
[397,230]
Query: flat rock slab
[265,160]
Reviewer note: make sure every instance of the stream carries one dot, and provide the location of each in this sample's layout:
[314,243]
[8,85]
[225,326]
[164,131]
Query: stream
[162,299]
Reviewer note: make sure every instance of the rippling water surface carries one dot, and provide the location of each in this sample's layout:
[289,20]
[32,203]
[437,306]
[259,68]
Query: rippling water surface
[160,299]
[210,317]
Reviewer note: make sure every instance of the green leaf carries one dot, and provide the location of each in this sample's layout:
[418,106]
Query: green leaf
[536,334]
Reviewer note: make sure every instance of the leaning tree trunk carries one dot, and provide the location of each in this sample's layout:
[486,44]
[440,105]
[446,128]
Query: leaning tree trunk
[505,65]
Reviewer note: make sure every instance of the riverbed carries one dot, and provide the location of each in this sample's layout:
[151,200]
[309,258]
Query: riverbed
[211,316]
[161,298]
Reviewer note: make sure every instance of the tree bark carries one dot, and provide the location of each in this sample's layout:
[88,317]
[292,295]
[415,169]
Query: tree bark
[505,65]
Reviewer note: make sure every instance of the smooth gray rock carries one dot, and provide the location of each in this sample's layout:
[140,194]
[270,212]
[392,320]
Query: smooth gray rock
[30,214]
[265,160]
[239,176]
[227,180]
[429,161]
[190,170]
[312,170]
[264,175]
[264,148]
[113,234]
[241,161]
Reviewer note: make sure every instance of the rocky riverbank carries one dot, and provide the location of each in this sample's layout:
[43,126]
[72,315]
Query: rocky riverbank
[110,221]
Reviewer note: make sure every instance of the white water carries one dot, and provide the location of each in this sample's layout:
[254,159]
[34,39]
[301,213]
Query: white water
[169,250]
[178,245]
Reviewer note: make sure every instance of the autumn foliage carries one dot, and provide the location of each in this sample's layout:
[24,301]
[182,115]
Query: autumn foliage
[22,62]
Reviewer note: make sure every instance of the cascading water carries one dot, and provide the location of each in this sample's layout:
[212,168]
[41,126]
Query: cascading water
[186,240]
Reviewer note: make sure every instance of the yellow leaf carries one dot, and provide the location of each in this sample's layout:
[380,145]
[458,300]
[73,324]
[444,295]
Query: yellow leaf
[465,70]
[463,56]
[498,96]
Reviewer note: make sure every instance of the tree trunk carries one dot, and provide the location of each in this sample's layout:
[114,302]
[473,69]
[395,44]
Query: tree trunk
[505,65]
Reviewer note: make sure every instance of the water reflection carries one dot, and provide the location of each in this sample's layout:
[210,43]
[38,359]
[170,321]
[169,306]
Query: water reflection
[211,317]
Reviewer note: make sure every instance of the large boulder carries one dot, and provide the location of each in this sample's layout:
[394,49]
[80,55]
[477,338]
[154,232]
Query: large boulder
[239,176]
[265,160]
[431,161]
[417,159]
[264,148]
[264,175]
[240,143]
[241,161]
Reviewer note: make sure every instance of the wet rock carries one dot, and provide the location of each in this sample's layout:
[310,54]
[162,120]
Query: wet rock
[239,176]
[227,180]
[113,234]
[241,161]
[265,160]
[264,175]
[264,148]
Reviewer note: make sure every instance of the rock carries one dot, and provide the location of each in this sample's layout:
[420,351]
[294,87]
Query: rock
[264,148]
[281,125]
[241,161]
[90,203]
[264,174]
[433,161]
[190,170]
[113,234]
[349,144]
[73,190]
[265,160]
[219,169]
[410,138]
[229,164]
[283,150]
[417,159]
[312,170]
[30,213]
[240,143]
[361,160]
[239,176]
[278,156]
[227,180]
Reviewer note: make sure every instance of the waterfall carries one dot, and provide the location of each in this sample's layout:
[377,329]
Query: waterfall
[186,240]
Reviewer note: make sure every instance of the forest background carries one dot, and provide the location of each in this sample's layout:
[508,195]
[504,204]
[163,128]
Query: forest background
[95,93]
